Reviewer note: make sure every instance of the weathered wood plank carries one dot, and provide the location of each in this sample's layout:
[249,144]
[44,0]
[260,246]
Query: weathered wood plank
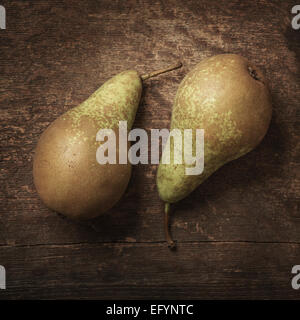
[128,271]
[221,210]
[53,57]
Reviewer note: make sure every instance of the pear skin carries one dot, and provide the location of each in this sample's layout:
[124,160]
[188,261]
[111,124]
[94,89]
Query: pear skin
[66,173]
[228,97]
[67,176]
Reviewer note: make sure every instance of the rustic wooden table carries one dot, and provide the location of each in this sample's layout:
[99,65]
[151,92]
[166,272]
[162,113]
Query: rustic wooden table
[238,234]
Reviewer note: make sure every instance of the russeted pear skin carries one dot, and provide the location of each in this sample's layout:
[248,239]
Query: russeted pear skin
[67,176]
[227,97]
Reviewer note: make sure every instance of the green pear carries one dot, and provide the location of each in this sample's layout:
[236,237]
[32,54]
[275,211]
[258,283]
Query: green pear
[66,173]
[227,97]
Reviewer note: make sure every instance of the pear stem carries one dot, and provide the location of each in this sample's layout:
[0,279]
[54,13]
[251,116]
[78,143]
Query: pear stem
[157,72]
[171,242]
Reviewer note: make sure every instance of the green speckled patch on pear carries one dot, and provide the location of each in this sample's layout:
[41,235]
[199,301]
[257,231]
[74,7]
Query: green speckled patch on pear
[228,132]
[116,100]
[206,100]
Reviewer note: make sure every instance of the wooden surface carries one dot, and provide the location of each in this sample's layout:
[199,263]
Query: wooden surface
[238,234]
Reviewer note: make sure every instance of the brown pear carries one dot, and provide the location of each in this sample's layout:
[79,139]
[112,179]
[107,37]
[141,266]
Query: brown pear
[66,173]
[227,96]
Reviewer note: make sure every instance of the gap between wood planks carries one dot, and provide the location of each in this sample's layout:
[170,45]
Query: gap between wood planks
[144,243]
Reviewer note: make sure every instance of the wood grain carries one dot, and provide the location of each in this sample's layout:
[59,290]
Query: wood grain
[149,271]
[53,55]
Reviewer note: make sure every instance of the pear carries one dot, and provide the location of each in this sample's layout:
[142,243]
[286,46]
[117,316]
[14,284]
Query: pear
[228,97]
[66,173]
